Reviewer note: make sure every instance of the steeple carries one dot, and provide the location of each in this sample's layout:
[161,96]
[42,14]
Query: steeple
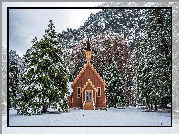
[88,45]
[88,50]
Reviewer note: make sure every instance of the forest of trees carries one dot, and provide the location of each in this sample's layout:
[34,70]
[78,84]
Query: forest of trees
[131,50]
[154,60]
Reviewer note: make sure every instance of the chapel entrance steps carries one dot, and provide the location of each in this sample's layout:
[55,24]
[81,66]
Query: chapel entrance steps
[88,106]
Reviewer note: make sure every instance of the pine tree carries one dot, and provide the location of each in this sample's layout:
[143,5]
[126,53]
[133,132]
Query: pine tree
[16,68]
[114,90]
[162,65]
[46,75]
[154,60]
[142,76]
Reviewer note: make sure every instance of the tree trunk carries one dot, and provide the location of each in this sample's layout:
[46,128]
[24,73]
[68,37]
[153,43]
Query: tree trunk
[151,105]
[163,103]
[155,105]
[44,109]
[147,102]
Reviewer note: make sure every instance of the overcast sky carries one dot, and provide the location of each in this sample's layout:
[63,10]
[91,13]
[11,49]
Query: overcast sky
[25,24]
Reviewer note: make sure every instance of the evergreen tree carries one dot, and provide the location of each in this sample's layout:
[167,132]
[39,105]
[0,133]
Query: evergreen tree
[16,68]
[162,23]
[114,90]
[154,60]
[142,76]
[46,75]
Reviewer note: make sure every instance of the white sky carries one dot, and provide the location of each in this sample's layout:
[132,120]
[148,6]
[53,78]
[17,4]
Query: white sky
[25,24]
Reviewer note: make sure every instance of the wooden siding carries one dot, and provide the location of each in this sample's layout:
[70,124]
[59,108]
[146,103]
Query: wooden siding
[88,74]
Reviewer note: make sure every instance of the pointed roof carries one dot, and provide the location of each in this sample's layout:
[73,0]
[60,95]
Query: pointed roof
[83,69]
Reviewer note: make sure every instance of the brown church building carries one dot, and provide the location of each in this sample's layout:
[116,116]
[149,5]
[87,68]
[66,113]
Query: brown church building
[88,87]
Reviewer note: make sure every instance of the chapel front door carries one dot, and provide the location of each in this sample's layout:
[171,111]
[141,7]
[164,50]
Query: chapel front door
[88,96]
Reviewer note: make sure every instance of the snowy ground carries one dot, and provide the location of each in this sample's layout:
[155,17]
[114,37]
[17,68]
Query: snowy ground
[131,116]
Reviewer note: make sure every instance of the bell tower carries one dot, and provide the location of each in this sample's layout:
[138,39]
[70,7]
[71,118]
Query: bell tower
[88,51]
